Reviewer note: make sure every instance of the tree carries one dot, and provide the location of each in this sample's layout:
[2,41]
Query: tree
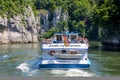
[107,17]
[81,15]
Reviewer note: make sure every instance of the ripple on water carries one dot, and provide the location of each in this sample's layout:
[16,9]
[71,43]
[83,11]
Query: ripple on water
[4,57]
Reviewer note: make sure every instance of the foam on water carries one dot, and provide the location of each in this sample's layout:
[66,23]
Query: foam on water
[78,72]
[72,72]
[24,67]
[29,71]
[30,68]
[57,72]
[4,57]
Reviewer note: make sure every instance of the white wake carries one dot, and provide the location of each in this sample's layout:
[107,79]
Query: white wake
[72,73]
[25,68]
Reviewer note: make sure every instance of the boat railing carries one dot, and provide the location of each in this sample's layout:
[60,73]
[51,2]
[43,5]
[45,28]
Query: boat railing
[49,41]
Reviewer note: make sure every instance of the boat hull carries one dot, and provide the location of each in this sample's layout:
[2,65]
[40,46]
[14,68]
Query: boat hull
[63,66]
[69,65]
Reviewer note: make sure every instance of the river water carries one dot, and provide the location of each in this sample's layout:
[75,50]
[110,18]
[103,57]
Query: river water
[22,59]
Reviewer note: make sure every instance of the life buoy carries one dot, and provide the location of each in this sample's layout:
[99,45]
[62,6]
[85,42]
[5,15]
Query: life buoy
[73,52]
[51,53]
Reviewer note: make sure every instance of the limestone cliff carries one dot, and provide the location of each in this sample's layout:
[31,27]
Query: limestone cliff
[59,15]
[111,39]
[44,20]
[49,19]
[26,28]
[19,29]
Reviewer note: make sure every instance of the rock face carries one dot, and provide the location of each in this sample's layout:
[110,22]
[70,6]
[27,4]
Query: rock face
[49,19]
[111,39]
[25,28]
[19,29]
[114,42]
[59,15]
[44,20]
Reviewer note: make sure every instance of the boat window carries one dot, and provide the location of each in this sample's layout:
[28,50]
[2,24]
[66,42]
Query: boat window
[73,38]
[63,51]
[59,38]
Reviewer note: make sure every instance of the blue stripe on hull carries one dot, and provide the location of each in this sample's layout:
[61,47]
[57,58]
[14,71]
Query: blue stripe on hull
[66,66]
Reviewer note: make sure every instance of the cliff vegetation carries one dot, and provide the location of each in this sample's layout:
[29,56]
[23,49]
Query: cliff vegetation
[94,19]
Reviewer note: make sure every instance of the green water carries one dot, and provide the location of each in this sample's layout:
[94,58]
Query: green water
[104,63]
[22,59]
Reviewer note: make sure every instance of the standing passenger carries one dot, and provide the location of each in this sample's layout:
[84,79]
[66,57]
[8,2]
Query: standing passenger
[54,39]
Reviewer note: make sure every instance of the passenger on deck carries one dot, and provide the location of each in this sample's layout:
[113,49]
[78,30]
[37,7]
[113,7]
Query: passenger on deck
[69,40]
[85,40]
[54,39]
[48,41]
[79,40]
[75,40]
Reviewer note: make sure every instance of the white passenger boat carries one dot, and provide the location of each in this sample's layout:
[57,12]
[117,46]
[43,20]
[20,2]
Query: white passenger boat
[64,51]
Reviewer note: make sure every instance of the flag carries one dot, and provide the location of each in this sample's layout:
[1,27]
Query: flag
[66,42]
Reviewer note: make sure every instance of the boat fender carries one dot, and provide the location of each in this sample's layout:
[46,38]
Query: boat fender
[85,58]
[73,52]
[51,53]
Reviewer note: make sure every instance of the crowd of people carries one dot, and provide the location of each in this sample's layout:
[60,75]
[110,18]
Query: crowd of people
[73,40]
[81,40]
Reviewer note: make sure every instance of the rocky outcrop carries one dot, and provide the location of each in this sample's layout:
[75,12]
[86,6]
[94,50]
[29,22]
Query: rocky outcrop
[44,20]
[19,29]
[25,28]
[111,43]
[111,39]
[49,19]
[59,15]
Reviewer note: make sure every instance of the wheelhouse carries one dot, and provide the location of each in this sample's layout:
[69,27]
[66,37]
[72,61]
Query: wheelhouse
[71,37]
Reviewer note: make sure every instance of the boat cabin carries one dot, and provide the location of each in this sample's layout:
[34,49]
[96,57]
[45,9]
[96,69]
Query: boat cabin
[55,53]
[57,49]
[71,37]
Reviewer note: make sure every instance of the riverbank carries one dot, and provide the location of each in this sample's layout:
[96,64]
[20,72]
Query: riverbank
[98,44]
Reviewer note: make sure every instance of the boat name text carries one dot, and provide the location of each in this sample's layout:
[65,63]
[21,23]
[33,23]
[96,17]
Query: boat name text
[63,45]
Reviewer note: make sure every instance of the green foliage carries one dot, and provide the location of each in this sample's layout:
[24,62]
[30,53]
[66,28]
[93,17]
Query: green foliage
[50,33]
[62,25]
[13,7]
[85,16]
[51,5]
[81,16]
[108,14]
[107,17]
